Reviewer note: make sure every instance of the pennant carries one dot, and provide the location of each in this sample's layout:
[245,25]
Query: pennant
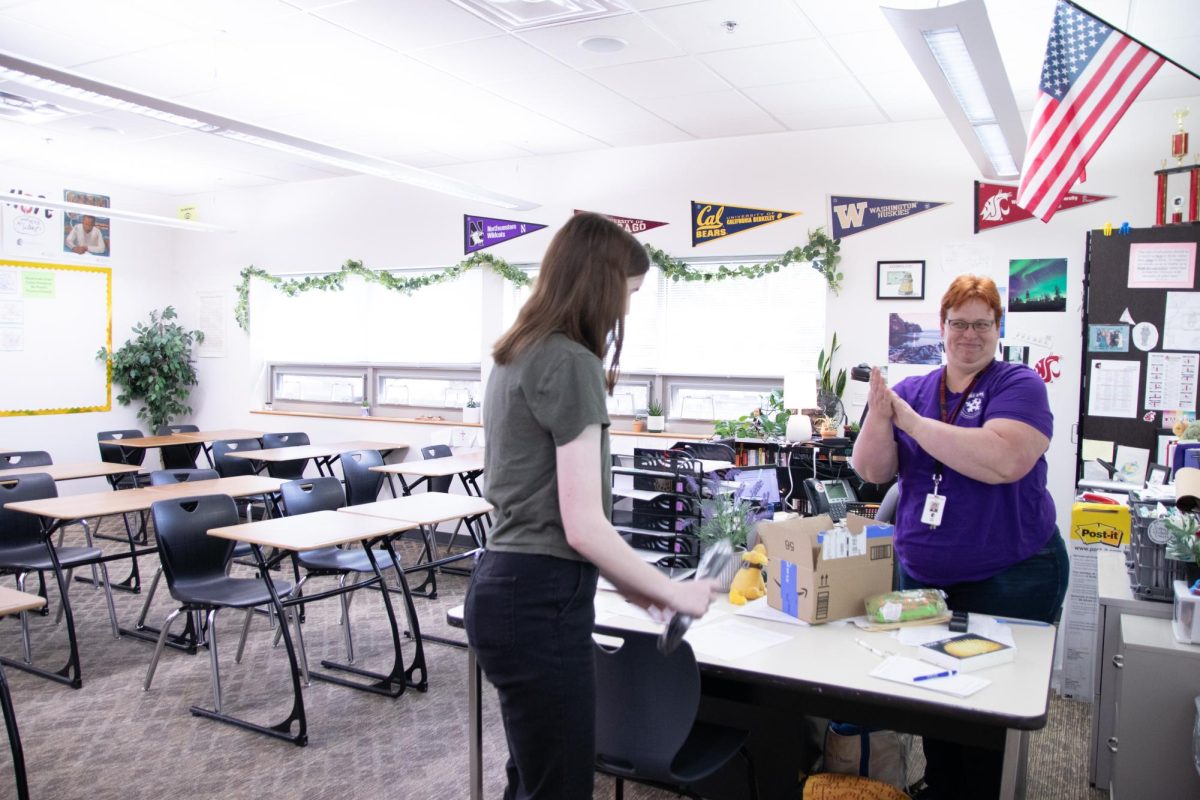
[995,205]
[631,224]
[713,220]
[482,232]
[851,215]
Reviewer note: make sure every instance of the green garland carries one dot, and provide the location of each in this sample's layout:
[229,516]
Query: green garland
[821,250]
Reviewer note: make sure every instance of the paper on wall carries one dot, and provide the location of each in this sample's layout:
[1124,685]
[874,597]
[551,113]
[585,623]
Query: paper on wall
[1113,388]
[1091,449]
[1171,380]
[1181,325]
[1131,464]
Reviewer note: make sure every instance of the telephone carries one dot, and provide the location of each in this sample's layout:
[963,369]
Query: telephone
[829,497]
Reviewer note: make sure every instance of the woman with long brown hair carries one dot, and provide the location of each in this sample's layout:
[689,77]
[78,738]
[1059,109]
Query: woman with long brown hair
[529,609]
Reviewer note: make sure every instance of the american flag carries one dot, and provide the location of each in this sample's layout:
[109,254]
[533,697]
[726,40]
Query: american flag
[1091,74]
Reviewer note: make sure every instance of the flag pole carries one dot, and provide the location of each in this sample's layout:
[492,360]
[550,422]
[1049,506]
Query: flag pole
[1168,59]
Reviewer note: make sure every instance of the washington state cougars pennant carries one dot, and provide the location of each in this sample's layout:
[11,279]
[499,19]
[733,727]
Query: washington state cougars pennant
[481,232]
[714,221]
[631,224]
[995,205]
[851,215]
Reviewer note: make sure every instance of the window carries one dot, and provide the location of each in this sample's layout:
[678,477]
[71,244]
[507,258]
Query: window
[318,387]
[629,397]
[707,401]
[403,390]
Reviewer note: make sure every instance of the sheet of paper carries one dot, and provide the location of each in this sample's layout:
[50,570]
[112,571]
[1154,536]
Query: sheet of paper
[1162,265]
[730,640]
[1091,449]
[1113,388]
[1171,380]
[903,670]
[760,609]
[1181,323]
[1131,464]
[631,611]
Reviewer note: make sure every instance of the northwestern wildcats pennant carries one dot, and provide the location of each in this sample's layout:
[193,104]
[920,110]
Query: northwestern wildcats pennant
[713,220]
[995,205]
[481,232]
[851,215]
[631,224]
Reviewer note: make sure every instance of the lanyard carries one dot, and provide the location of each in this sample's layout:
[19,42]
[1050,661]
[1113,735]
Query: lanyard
[953,415]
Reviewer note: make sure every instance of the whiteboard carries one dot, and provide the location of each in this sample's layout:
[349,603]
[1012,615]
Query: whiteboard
[53,320]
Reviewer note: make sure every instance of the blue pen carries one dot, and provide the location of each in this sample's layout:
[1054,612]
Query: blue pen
[945,674]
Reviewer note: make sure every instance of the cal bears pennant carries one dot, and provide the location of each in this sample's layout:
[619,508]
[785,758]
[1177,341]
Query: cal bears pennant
[995,205]
[851,215]
[715,220]
[631,224]
[482,232]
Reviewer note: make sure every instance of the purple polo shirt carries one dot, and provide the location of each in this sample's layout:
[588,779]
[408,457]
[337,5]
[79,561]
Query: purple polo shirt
[985,528]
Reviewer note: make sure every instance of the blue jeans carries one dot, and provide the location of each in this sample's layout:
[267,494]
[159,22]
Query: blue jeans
[529,619]
[1031,589]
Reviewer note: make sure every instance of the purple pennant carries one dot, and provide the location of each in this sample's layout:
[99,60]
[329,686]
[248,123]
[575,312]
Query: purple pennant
[851,215]
[483,232]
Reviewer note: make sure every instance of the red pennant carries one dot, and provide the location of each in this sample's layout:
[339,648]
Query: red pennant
[631,224]
[994,205]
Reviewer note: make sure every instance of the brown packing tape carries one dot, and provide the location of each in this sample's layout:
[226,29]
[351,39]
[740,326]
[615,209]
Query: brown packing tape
[1187,489]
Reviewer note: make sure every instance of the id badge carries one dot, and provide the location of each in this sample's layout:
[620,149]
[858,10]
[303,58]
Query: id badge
[935,505]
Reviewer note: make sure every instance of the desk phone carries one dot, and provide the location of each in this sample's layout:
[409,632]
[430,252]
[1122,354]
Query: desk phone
[829,497]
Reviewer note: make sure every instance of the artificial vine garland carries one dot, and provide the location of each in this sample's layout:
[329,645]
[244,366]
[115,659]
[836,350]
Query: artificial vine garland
[821,250]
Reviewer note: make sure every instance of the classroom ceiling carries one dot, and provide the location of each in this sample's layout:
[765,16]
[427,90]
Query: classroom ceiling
[429,84]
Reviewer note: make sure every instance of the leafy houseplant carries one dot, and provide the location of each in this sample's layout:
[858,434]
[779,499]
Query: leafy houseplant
[156,367]
[639,423]
[729,514]
[830,388]
[826,426]
[768,421]
[654,417]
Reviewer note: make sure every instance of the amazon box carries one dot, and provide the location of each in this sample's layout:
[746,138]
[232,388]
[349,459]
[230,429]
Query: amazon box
[806,585]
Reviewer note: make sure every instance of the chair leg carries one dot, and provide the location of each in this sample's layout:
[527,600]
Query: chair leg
[141,620]
[346,616]
[158,648]
[245,630]
[620,793]
[25,643]
[301,653]
[87,535]
[212,658]
[112,609]
[62,604]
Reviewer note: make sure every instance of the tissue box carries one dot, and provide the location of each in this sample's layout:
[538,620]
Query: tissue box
[814,589]
[1185,618]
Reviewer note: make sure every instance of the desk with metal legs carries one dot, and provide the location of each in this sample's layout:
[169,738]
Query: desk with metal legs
[324,456]
[14,602]
[467,466]
[202,438]
[76,470]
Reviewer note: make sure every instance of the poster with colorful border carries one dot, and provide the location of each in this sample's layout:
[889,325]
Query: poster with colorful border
[712,221]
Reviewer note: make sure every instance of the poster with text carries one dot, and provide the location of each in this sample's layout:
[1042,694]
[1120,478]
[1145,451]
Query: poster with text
[31,231]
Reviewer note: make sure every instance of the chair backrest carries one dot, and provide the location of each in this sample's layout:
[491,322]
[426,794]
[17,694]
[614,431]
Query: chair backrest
[231,467]
[362,485]
[440,483]
[115,454]
[16,527]
[170,477]
[19,459]
[312,494]
[286,470]
[887,506]
[645,705]
[714,451]
[178,456]
[186,549]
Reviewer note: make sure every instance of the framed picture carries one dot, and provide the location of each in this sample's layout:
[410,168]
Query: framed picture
[900,280]
[1157,474]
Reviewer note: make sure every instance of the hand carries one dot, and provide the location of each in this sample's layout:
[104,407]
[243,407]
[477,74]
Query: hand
[903,415]
[879,396]
[692,597]
[80,249]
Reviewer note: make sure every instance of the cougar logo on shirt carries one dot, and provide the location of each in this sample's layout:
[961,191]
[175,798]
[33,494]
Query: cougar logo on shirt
[973,406]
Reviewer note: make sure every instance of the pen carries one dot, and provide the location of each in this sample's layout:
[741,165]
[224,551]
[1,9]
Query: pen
[944,674]
[875,650]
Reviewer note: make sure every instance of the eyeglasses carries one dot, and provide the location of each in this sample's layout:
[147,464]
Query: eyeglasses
[979,325]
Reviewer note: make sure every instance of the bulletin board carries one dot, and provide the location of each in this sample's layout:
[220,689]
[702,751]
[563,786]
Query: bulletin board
[1141,314]
[54,319]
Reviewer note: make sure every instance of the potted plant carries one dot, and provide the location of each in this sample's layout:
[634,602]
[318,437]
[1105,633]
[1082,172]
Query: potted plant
[767,422]
[826,426]
[731,514]
[471,412]
[156,367]
[639,423]
[852,431]
[366,407]
[655,421]
[829,387]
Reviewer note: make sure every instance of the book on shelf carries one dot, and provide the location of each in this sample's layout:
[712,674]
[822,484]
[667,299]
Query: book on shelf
[966,652]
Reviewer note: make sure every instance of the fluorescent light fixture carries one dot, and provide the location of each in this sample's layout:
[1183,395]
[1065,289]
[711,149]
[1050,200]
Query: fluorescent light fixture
[955,50]
[529,14]
[86,90]
[113,213]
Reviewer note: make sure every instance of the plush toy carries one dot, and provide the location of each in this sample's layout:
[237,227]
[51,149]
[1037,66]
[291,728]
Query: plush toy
[748,583]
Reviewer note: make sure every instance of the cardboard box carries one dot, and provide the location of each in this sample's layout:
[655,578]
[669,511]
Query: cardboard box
[820,590]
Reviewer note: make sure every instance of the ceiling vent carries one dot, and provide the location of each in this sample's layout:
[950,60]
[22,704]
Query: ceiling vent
[524,15]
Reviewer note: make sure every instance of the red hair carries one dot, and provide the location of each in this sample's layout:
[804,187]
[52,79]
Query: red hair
[966,288]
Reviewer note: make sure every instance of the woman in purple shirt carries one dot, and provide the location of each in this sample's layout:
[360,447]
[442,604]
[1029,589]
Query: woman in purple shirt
[967,445]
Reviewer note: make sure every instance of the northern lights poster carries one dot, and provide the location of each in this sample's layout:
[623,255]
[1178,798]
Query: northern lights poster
[1037,284]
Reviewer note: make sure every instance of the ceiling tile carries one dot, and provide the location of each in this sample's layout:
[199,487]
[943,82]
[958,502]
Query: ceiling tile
[660,78]
[485,61]
[643,42]
[122,27]
[57,47]
[790,98]
[834,17]
[1155,20]
[872,51]
[711,114]
[699,27]
[803,60]
[220,16]
[816,118]
[902,98]
[407,25]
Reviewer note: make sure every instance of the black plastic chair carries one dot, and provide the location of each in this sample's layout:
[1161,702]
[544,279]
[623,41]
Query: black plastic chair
[196,564]
[20,459]
[116,454]
[441,483]
[178,456]
[25,548]
[325,494]
[646,726]
[228,466]
[286,470]
[362,485]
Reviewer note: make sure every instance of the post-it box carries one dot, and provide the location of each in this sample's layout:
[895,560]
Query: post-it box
[803,584]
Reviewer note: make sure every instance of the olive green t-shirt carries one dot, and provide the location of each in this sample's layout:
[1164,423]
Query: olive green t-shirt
[543,399]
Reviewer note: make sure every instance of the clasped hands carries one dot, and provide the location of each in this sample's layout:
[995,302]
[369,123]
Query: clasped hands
[887,406]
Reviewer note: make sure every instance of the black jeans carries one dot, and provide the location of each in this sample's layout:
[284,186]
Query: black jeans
[1031,589]
[529,619]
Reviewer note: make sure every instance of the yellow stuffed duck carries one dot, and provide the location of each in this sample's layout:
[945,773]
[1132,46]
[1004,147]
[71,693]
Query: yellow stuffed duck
[748,583]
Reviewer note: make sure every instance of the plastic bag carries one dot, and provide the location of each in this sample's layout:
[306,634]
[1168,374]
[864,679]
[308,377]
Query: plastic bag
[906,606]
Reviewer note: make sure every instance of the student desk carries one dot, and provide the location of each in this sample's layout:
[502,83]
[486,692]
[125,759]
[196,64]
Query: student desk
[820,670]
[467,466]
[14,602]
[203,438]
[323,455]
[75,471]
[312,532]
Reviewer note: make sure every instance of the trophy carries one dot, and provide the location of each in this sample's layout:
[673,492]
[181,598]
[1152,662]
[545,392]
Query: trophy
[1191,198]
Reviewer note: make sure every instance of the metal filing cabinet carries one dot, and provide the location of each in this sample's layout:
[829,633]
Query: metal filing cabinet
[1157,682]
